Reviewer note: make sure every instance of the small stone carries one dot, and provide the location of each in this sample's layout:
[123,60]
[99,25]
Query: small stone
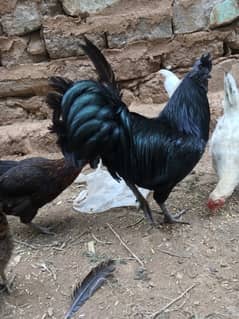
[36,45]
[7,6]
[127,96]
[91,247]
[224,13]
[24,19]
[141,274]
[16,260]
[191,16]
[75,7]
[50,311]
[223,265]
[50,7]
[179,276]
[63,36]
[13,50]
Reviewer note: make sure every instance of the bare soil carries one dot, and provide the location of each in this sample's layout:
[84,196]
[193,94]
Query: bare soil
[204,254]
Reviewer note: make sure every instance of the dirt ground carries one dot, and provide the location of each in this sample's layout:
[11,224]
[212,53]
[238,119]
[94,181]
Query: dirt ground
[204,254]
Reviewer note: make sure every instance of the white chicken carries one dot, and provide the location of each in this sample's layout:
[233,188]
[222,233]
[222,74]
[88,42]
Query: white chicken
[225,146]
[171,81]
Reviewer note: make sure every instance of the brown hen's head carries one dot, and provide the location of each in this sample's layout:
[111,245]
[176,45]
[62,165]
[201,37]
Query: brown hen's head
[213,205]
[3,225]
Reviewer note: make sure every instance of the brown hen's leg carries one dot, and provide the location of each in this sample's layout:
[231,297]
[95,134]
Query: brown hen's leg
[172,219]
[142,202]
[4,285]
[41,229]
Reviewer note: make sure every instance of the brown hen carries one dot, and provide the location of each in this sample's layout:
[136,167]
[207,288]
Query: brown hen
[31,184]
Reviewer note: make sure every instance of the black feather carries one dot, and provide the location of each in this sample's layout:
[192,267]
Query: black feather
[103,68]
[59,84]
[93,281]
[53,99]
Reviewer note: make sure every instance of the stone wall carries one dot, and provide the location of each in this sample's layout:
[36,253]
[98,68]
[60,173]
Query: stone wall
[40,38]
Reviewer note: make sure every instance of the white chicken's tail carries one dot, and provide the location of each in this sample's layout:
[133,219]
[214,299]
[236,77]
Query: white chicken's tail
[231,93]
[171,81]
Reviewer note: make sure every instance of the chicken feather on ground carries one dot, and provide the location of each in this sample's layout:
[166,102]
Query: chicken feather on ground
[6,247]
[93,122]
[31,183]
[224,146]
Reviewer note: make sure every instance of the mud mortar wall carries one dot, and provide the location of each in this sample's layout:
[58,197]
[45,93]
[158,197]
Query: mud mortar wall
[40,38]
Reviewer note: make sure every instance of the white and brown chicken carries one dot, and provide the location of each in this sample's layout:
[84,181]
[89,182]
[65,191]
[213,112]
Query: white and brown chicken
[225,146]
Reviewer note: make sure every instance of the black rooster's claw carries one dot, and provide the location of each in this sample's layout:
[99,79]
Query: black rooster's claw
[172,219]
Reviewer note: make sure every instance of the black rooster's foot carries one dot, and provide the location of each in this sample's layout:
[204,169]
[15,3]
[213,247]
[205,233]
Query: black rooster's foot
[41,229]
[170,218]
[173,219]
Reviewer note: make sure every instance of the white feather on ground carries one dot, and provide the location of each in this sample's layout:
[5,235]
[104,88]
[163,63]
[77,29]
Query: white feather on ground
[171,81]
[103,193]
[225,145]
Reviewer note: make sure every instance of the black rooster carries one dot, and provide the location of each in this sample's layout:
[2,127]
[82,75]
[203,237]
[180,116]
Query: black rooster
[92,122]
[29,184]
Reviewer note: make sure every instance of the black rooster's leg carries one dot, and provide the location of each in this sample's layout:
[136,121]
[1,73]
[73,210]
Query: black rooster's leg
[41,229]
[142,202]
[171,219]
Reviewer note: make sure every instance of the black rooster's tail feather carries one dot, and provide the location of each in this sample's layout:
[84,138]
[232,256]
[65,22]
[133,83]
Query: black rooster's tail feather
[103,68]
[59,84]
[54,100]
[89,117]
